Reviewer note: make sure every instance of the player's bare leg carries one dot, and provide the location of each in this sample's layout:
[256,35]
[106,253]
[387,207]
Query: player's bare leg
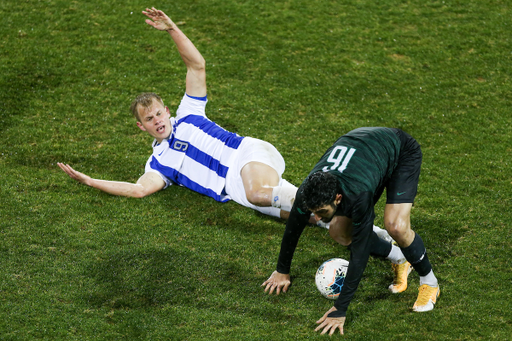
[340,230]
[398,223]
[261,183]
[259,179]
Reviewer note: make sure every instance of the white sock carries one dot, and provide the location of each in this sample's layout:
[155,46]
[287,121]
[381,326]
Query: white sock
[283,195]
[396,256]
[383,234]
[430,279]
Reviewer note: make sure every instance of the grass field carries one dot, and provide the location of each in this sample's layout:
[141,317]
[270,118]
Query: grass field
[78,264]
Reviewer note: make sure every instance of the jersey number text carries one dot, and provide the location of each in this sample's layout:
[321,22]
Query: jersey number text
[339,156]
[180,146]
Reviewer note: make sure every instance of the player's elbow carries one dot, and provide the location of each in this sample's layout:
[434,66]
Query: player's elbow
[139,195]
[201,64]
[140,192]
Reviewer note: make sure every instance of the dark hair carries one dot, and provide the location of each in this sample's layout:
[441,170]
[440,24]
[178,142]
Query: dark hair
[319,189]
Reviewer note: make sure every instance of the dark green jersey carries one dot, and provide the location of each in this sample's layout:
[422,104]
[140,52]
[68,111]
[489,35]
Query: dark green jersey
[363,160]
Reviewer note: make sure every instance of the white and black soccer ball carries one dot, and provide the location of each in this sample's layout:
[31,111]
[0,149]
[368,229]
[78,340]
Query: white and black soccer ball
[330,277]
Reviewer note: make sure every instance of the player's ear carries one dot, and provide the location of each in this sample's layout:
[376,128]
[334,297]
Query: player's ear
[338,199]
[167,110]
[141,126]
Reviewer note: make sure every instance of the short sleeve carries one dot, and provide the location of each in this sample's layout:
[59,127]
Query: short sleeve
[148,169]
[191,106]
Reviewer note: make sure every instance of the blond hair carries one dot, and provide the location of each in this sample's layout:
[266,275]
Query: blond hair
[145,100]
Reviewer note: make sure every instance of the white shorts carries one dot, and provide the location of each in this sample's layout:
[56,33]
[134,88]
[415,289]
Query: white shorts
[252,150]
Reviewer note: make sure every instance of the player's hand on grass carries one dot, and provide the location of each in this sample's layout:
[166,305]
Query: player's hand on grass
[330,323]
[80,177]
[277,281]
[159,19]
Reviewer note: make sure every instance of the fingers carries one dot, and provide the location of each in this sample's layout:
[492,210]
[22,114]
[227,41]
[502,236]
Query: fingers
[66,168]
[158,19]
[323,325]
[154,13]
[147,12]
[331,325]
[271,285]
[151,13]
[334,329]
[71,172]
[267,284]
[149,22]
[326,329]
[272,288]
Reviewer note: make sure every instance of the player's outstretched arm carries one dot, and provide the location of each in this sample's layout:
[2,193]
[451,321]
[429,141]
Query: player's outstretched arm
[278,282]
[147,184]
[196,74]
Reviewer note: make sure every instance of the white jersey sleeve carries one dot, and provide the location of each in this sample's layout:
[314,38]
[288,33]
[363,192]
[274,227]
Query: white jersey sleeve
[148,169]
[198,153]
[191,106]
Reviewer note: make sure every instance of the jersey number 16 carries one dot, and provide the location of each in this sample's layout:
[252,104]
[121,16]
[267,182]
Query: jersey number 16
[339,156]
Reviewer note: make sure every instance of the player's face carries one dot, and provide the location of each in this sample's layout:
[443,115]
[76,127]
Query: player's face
[326,213]
[155,120]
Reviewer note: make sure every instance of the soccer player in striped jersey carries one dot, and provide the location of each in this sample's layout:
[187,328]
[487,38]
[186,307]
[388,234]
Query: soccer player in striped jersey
[343,189]
[192,151]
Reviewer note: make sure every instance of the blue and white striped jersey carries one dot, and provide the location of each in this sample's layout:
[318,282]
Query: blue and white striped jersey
[197,154]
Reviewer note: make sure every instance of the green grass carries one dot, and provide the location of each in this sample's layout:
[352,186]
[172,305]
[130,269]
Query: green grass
[78,264]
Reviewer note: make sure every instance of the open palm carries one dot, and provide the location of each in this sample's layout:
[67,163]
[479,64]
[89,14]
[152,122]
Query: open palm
[159,19]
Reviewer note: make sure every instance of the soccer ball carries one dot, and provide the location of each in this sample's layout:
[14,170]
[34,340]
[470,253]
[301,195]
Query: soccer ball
[330,277]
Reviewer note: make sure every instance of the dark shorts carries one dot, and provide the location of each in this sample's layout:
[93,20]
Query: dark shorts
[402,186]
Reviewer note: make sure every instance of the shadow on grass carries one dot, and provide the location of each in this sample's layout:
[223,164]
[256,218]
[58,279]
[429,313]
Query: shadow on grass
[132,280]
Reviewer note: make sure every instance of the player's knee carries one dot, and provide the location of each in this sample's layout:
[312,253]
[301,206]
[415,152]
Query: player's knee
[259,197]
[340,238]
[396,228]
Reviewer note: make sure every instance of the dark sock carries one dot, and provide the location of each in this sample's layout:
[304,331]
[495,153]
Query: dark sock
[416,254]
[379,247]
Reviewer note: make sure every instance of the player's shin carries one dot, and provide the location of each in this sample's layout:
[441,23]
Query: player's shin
[379,247]
[416,254]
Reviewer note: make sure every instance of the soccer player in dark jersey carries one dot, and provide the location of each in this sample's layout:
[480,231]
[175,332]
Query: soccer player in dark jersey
[343,189]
